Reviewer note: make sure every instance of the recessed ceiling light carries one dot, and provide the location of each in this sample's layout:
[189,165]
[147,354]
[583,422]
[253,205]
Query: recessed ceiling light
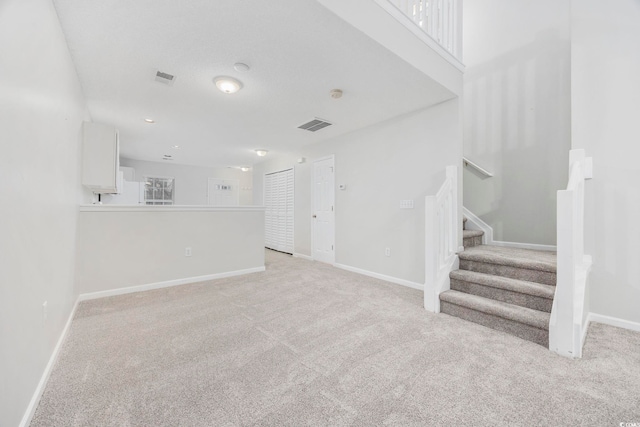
[175,147]
[261,152]
[227,84]
[149,120]
[244,168]
[241,67]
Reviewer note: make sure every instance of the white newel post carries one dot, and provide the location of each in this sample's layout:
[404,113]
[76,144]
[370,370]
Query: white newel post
[441,239]
[566,324]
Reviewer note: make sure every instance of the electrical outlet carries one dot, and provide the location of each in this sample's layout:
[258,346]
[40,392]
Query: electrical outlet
[387,251]
[187,251]
[44,310]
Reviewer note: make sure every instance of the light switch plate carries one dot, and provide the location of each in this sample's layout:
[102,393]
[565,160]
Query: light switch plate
[406,204]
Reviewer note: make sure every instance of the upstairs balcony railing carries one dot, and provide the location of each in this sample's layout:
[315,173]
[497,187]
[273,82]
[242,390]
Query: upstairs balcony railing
[439,19]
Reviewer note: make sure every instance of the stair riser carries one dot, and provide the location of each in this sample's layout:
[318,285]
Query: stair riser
[545,277]
[469,242]
[511,297]
[526,332]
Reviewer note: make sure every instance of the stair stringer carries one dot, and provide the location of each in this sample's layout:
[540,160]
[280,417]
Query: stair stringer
[432,291]
[475,223]
[569,343]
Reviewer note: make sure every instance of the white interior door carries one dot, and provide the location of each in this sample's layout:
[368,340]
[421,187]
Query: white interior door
[323,215]
[223,192]
[279,204]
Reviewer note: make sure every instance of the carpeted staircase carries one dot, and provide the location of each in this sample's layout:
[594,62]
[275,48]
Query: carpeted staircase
[506,289]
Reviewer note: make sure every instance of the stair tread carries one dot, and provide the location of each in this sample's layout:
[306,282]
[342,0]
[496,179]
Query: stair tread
[506,283]
[472,233]
[514,257]
[500,309]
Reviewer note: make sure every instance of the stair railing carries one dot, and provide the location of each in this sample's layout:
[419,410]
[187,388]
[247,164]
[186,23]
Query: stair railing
[468,163]
[567,326]
[439,19]
[442,225]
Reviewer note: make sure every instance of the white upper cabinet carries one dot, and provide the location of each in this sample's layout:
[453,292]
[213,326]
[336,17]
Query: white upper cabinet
[100,157]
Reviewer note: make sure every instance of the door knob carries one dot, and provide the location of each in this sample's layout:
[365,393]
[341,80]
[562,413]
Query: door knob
[314,215]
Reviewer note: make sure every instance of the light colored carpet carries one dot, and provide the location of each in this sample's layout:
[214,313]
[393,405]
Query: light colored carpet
[525,294]
[502,288]
[307,344]
[515,257]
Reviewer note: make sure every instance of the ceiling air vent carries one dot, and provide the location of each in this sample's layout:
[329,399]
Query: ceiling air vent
[165,78]
[315,125]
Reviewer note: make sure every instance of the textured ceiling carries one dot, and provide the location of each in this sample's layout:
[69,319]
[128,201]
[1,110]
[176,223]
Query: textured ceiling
[298,51]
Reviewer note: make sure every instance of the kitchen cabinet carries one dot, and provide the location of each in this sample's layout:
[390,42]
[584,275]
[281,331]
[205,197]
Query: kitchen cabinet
[100,158]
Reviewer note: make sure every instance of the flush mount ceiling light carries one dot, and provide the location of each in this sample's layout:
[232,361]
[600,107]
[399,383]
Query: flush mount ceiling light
[244,168]
[335,93]
[149,120]
[175,147]
[227,84]
[261,152]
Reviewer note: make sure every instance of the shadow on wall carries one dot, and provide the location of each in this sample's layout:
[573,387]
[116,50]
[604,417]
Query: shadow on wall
[517,125]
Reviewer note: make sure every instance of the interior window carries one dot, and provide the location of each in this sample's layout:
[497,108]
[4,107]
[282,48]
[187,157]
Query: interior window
[159,190]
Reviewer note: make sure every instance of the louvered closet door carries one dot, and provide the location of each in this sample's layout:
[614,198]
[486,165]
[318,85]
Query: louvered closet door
[269,222]
[278,200]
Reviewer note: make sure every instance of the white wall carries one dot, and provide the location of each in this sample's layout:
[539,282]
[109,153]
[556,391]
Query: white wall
[120,247]
[41,111]
[403,158]
[191,181]
[605,112]
[386,24]
[517,114]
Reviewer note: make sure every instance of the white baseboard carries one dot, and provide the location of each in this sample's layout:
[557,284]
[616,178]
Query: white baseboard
[302,256]
[37,394]
[166,284]
[613,321]
[391,279]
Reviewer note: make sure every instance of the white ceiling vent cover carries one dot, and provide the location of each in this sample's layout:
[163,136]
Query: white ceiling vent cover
[315,125]
[165,78]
